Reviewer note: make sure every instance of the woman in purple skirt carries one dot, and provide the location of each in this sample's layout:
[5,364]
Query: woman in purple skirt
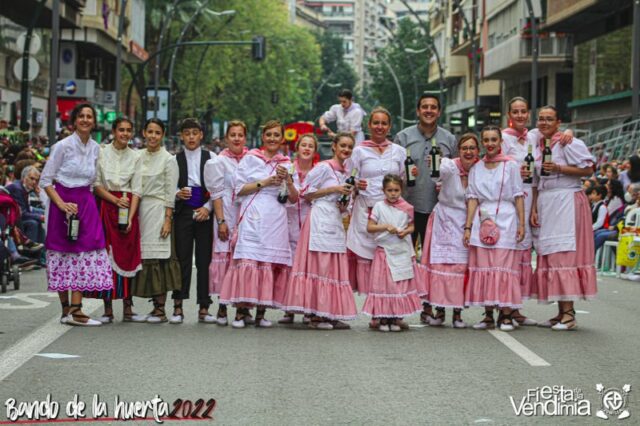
[77,263]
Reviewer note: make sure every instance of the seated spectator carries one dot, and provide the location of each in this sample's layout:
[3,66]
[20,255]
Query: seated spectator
[599,215]
[611,172]
[632,174]
[602,173]
[633,195]
[614,199]
[588,183]
[30,222]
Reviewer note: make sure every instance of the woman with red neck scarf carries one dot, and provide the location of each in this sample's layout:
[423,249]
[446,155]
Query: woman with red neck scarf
[262,255]
[219,175]
[445,258]
[565,266]
[517,140]
[392,294]
[494,227]
[319,283]
[373,159]
[306,149]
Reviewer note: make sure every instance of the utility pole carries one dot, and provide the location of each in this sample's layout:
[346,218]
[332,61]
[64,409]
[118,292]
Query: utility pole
[534,64]
[53,71]
[123,6]
[474,51]
[635,102]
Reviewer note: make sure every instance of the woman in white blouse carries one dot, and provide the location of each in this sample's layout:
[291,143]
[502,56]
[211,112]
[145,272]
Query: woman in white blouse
[494,196]
[160,268]
[373,159]
[76,255]
[118,184]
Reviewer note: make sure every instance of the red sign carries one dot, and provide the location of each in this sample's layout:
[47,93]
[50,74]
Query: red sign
[65,106]
[138,51]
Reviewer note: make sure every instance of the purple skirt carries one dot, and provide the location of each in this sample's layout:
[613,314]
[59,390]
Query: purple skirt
[90,233]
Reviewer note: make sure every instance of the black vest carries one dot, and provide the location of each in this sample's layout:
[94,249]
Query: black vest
[183,173]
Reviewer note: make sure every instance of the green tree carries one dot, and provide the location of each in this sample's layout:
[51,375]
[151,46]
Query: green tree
[411,69]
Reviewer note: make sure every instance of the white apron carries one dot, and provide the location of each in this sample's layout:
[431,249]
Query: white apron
[359,240]
[327,231]
[447,235]
[398,251]
[557,218]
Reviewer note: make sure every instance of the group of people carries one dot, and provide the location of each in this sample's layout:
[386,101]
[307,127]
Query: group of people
[274,232]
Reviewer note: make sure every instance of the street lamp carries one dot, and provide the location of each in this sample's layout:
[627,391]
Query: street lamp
[397,82]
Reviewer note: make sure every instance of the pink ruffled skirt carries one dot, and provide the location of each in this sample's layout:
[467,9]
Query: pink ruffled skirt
[217,270]
[387,298]
[570,275]
[359,273]
[319,283]
[526,274]
[254,282]
[494,278]
[440,284]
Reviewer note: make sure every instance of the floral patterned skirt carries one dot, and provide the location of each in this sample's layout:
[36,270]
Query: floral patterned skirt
[84,271]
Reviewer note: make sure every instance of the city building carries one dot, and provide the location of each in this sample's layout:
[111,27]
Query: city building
[507,44]
[88,56]
[304,16]
[14,23]
[601,73]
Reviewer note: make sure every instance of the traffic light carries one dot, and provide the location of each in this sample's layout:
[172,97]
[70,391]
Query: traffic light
[259,48]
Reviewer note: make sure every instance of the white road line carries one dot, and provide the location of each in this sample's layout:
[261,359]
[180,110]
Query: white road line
[519,349]
[15,356]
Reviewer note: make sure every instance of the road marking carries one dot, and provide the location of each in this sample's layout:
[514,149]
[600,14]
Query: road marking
[28,302]
[483,421]
[581,312]
[417,325]
[519,349]
[54,355]
[17,355]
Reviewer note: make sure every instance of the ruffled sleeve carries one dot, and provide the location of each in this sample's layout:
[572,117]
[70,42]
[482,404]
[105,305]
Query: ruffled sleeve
[243,173]
[53,164]
[472,188]
[316,178]
[214,177]
[448,168]
[577,154]
[515,179]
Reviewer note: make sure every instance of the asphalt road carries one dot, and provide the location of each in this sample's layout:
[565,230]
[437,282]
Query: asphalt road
[292,375]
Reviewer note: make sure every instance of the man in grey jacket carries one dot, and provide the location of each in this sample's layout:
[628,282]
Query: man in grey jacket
[417,139]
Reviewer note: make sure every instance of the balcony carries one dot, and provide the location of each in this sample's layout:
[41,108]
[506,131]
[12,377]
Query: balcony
[514,55]
[22,11]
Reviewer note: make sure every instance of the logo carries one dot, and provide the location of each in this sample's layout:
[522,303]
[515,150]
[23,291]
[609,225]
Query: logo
[70,87]
[614,402]
[551,401]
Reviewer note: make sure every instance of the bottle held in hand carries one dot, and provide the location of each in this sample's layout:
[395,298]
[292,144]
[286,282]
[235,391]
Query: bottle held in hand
[283,195]
[409,167]
[436,155]
[351,180]
[546,157]
[73,227]
[530,163]
[123,218]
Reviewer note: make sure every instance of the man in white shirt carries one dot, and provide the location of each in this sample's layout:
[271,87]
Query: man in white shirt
[348,116]
[192,221]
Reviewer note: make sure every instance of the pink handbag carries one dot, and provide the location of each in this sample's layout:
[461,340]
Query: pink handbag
[489,231]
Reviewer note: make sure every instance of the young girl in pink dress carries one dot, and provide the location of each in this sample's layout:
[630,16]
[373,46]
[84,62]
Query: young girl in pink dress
[494,197]
[392,293]
[262,255]
[306,149]
[445,258]
[219,176]
[565,269]
[319,283]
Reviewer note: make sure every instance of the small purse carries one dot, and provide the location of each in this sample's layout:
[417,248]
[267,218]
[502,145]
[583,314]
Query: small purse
[489,231]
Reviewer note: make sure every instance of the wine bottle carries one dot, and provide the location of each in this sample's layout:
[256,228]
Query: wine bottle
[351,180]
[546,157]
[283,195]
[73,227]
[409,167]
[123,217]
[435,159]
[530,162]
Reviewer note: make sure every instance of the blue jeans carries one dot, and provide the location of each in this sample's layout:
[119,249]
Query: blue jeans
[603,235]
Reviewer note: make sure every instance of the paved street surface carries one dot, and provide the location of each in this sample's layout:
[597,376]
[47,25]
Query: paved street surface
[291,375]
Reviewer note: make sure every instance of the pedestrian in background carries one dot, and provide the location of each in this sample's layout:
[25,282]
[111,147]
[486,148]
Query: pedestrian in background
[347,114]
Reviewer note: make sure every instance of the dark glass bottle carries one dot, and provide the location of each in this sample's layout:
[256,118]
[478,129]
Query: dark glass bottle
[123,218]
[351,180]
[409,166]
[530,162]
[436,155]
[283,195]
[546,157]
[73,227]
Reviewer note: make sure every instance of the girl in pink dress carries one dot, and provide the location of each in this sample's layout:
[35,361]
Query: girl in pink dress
[392,292]
[319,283]
[565,266]
[445,258]
[262,254]
[219,176]
[494,227]
[306,149]
[373,159]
